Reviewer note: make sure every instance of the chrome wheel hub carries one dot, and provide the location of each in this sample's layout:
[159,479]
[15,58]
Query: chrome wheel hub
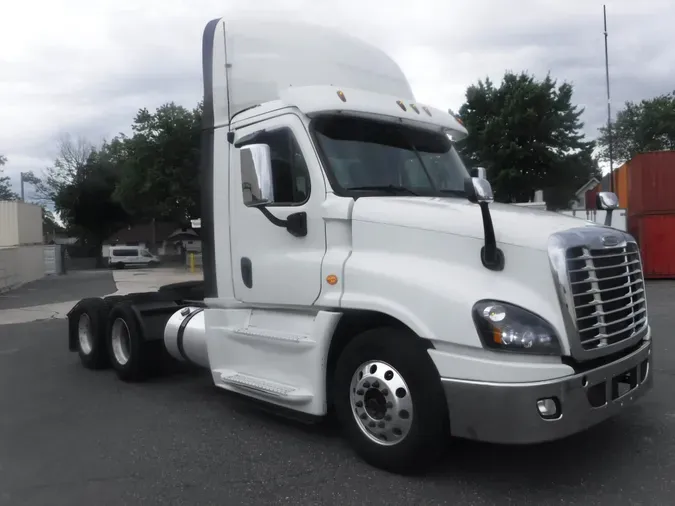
[121,341]
[381,403]
[85,334]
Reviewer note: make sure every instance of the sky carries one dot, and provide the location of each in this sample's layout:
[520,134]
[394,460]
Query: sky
[84,68]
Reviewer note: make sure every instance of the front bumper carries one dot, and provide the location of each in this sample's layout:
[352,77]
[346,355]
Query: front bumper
[508,413]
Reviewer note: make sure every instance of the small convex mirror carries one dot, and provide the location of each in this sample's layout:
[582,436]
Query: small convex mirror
[478,190]
[607,200]
[256,175]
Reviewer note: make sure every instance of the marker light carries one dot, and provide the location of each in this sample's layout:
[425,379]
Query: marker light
[505,327]
[401,105]
[341,95]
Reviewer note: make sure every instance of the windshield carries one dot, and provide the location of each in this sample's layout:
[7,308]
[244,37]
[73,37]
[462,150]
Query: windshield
[363,154]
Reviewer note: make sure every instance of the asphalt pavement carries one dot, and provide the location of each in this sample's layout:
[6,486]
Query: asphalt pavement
[69,436]
[54,289]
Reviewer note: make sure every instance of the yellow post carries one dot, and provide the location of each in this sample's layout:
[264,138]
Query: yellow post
[192,262]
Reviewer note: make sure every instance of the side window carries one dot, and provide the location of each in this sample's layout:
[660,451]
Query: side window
[290,176]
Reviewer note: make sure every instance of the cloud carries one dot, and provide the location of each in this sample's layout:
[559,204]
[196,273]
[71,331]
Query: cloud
[87,67]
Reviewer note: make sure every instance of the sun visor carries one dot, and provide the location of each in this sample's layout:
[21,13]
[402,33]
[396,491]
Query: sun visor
[314,100]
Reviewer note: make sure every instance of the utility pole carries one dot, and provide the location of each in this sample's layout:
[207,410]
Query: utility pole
[22,193]
[609,108]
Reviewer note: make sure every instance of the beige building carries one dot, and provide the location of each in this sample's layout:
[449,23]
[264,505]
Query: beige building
[21,244]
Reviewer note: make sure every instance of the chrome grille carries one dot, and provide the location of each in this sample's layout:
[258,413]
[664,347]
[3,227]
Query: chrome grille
[608,293]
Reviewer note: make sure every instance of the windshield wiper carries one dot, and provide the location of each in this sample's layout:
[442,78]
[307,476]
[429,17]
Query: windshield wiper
[390,188]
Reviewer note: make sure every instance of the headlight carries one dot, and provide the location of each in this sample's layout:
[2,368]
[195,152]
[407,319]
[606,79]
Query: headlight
[505,327]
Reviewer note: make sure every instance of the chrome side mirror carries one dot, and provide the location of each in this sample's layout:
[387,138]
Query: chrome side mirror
[607,201]
[478,190]
[256,175]
[479,172]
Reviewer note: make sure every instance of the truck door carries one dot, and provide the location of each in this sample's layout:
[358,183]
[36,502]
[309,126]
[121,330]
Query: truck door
[269,265]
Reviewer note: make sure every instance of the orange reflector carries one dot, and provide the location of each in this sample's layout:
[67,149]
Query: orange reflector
[401,105]
[497,335]
[331,279]
[342,96]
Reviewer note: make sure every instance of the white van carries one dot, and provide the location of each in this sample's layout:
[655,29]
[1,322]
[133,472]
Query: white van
[126,256]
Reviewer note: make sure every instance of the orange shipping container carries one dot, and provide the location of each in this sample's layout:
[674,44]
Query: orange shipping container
[620,177]
[621,184]
[651,183]
[655,235]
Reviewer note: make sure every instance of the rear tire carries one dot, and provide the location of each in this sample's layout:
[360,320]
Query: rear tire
[87,324]
[130,355]
[390,402]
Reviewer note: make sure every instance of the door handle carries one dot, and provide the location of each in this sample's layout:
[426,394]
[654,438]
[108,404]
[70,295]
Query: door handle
[247,272]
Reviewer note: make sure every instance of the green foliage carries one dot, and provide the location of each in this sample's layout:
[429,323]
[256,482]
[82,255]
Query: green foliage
[527,134]
[160,164]
[154,173]
[86,202]
[6,192]
[646,126]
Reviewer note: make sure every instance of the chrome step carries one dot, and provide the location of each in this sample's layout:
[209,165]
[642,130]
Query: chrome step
[245,334]
[268,388]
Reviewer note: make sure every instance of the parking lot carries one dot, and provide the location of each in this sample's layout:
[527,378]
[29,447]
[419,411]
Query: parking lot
[69,436]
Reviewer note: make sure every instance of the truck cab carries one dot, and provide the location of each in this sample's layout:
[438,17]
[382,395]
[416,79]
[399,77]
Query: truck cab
[353,265]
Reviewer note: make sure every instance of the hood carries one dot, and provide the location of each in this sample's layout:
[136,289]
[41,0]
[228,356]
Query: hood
[514,225]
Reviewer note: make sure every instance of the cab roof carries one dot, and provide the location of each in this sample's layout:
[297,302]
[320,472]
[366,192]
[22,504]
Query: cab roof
[251,60]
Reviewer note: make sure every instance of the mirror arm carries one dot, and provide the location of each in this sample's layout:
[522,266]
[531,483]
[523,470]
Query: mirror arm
[491,256]
[608,217]
[296,224]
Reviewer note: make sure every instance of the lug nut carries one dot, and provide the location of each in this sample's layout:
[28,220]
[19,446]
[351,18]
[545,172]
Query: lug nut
[359,404]
[376,384]
[366,384]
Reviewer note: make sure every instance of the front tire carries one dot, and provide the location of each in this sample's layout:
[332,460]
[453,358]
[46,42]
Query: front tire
[390,402]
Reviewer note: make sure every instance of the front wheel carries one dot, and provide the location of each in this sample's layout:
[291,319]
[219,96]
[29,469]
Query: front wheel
[390,401]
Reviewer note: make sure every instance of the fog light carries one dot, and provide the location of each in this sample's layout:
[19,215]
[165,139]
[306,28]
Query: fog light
[548,408]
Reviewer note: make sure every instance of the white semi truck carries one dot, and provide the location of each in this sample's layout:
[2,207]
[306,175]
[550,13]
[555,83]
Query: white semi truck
[353,266]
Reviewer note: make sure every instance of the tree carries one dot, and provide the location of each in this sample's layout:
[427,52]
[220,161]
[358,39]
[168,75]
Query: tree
[645,126]
[86,204]
[6,192]
[160,164]
[527,134]
[73,155]
[50,226]
[80,184]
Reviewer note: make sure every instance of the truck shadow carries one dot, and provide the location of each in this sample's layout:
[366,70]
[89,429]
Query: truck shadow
[592,457]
